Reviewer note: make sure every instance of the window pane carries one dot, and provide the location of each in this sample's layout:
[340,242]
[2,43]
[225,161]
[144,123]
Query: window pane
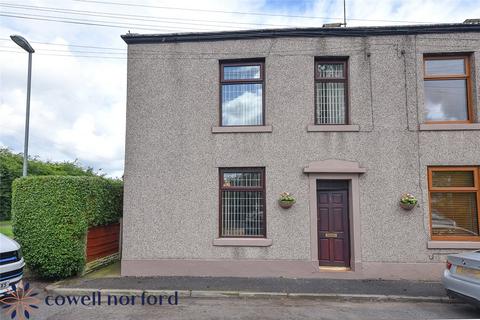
[241,72]
[242,104]
[330,70]
[242,179]
[330,103]
[453,179]
[242,213]
[445,67]
[454,213]
[445,100]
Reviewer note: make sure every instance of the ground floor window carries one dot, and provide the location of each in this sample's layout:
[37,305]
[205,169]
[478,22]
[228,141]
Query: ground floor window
[454,195]
[242,202]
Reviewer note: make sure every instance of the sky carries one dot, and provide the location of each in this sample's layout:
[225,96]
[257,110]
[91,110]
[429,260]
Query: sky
[79,76]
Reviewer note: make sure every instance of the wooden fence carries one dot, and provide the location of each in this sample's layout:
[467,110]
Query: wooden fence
[103,241]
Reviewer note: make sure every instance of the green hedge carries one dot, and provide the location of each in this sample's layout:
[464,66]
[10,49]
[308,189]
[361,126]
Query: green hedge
[51,215]
[11,168]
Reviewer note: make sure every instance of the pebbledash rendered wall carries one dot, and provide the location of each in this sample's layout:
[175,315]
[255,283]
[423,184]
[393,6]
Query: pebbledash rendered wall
[172,157]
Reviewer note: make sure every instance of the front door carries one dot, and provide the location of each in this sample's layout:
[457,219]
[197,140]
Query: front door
[332,223]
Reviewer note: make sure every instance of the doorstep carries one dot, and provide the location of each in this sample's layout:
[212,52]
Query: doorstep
[334,269]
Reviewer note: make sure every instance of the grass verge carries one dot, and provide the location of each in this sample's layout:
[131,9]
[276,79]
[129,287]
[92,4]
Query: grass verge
[6,228]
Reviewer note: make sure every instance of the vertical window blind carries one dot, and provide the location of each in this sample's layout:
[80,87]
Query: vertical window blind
[242,104]
[242,202]
[330,92]
[454,203]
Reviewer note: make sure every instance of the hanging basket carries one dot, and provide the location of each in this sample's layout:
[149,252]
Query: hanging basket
[407,206]
[408,201]
[285,204]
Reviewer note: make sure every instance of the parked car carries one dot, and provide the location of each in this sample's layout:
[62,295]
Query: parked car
[461,277]
[445,226]
[11,264]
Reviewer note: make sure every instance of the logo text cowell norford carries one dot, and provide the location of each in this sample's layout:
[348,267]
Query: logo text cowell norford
[97,299]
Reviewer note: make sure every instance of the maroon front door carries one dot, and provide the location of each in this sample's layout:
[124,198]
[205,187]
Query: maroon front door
[333,228]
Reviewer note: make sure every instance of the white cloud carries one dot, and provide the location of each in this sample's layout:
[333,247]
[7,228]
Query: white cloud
[78,104]
[11,121]
[238,111]
[77,107]
[435,112]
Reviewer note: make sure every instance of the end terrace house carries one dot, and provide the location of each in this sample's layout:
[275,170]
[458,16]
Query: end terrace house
[347,120]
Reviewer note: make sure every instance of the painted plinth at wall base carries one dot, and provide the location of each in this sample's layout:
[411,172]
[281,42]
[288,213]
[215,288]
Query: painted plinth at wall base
[278,268]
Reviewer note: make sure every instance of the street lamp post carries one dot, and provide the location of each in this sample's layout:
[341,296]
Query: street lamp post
[23,43]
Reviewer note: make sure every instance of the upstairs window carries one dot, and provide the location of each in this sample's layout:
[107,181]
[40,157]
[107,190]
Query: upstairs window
[447,89]
[242,202]
[454,203]
[331,92]
[242,94]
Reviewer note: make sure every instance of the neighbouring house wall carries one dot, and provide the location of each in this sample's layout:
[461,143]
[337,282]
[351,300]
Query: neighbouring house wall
[172,156]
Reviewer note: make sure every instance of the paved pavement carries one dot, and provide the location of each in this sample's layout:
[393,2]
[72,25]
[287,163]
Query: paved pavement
[284,285]
[257,308]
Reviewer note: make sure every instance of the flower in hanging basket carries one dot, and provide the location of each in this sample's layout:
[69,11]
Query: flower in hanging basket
[286,200]
[408,201]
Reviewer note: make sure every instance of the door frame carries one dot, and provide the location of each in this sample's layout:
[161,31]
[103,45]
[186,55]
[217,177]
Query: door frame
[345,189]
[353,215]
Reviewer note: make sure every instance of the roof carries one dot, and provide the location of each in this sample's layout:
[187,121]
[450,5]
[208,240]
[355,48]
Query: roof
[132,38]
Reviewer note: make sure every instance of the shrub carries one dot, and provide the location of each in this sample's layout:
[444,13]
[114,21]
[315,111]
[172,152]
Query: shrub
[11,168]
[51,215]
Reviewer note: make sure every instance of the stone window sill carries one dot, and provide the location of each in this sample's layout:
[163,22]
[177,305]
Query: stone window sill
[449,126]
[242,129]
[453,244]
[333,128]
[242,242]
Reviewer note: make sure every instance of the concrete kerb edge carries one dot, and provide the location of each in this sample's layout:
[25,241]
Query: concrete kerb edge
[55,289]
[372,297]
